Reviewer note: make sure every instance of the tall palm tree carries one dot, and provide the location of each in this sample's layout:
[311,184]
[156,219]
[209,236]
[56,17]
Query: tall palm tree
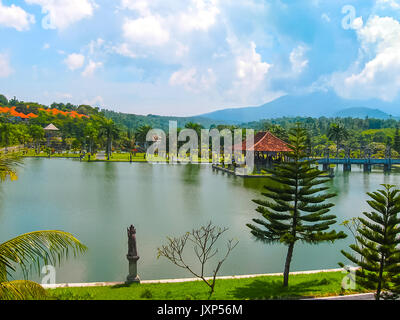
[29,250]
[110,131]
[337,132]
[37,134]
[91,133]
[140,135]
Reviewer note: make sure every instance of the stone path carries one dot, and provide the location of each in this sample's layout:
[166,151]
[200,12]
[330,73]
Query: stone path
[363,296]
[101,155]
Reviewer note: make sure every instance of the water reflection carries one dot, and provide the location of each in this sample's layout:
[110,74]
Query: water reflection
[97,201]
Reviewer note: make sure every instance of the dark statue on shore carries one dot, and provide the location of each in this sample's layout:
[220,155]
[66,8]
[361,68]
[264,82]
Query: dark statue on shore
[132,256]
[132,250]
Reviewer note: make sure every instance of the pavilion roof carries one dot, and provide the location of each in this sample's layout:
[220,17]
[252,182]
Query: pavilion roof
[51,127]
[265,141]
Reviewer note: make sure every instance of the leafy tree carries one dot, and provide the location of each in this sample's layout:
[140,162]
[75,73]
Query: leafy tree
[295,208]
[37,134]
[6,130]
[110,131]
[377,244]
[3,100]
[91,133]
[141,134]
[30,250]
[279,132]
[337,132]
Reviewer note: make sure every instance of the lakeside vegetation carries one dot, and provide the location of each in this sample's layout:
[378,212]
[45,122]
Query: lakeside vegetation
[117,132]
[294,209]
[322,284]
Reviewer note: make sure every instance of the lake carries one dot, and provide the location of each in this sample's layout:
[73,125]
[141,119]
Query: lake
[97,202]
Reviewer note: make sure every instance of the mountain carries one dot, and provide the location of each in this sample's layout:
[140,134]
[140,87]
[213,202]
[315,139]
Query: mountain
[133,121]
[315,104]
[363,113]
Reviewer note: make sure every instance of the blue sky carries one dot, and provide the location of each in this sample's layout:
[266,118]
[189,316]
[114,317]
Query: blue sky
[187,57]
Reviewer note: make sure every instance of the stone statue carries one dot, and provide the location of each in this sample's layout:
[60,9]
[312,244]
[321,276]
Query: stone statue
[132,256]
[132,250]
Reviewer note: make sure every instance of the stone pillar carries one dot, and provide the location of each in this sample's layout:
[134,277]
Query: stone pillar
[367,167]
[347,167]
[387,167]
[132,276]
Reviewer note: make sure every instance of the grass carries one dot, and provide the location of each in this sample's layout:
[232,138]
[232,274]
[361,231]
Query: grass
[259,288]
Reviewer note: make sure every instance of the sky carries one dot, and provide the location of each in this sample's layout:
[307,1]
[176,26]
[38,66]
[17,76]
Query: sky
[189,57]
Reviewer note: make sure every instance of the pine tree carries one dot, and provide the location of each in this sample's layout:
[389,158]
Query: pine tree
[377,247]
[295,208]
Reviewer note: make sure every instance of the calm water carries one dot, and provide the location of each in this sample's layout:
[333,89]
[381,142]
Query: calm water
[97,201]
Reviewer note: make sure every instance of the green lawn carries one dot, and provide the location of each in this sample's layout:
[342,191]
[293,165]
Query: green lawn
[300,286]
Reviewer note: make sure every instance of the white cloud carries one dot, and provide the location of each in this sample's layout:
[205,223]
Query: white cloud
[62,13]
[75,61]
[298,60]
[376,74]
[124,50]
[96,101]
[142,6]
[46,46]
[393,4]
[201,15]
[95,45]
[5,68]
[357,23]
[15,17]
[91,68]
[192,80]
[160,24]
[147,31]
[251,71]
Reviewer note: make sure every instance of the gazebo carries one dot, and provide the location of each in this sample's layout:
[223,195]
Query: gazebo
[51,131]
[267,148]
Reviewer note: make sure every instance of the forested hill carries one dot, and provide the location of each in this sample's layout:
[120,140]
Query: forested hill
[133,121]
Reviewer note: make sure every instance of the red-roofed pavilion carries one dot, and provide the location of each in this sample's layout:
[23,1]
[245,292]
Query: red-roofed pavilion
[267,148]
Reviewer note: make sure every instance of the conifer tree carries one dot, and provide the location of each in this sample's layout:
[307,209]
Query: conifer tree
[377,248]
[294,208]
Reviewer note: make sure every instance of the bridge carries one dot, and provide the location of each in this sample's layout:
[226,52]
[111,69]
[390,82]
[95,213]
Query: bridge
[367,163]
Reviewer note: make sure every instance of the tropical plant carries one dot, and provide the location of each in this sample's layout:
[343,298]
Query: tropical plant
[110,131]
[37,134]
[295,209]
[337,132]
[29,250]
[91,133]
[377,244]
[141,134]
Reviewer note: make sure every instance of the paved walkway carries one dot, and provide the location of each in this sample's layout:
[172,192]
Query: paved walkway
[97,284]
[363,296]
[101,155]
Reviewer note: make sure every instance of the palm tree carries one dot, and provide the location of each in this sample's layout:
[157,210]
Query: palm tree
[338,133]
[141,133]
[91,133]
[37,134]
[110,131]
[30,250]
